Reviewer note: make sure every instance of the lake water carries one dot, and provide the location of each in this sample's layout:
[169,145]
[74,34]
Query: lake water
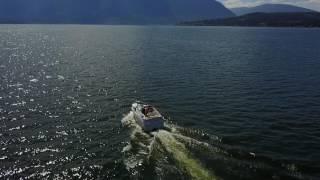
[240,103]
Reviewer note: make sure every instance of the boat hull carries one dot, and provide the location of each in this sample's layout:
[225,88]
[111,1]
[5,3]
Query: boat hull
[150,125]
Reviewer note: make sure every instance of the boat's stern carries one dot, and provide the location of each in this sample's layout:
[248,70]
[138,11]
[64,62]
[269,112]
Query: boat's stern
[153,124]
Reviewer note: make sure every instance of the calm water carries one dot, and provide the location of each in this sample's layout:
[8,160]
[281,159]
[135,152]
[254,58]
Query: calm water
[240,103]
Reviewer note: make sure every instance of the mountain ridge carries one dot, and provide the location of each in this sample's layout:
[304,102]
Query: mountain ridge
[300,19]
[269,8]
[110,11]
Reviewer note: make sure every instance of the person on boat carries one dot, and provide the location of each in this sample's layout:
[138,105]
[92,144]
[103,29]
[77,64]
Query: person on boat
[147,109]
[150,109]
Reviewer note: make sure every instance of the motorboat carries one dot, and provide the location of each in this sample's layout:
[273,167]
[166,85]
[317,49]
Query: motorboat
[148,117]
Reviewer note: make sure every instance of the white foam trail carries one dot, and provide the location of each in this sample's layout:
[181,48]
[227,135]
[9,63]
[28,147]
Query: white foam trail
[128,120]
[140,147]
[182,156]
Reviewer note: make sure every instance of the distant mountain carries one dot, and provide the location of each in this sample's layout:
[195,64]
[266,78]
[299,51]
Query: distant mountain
[110,11]
[302,19]
[269,8]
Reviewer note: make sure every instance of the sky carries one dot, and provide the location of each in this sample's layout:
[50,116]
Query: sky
[311,4]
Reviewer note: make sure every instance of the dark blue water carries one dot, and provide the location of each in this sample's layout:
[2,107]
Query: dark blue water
[240,103]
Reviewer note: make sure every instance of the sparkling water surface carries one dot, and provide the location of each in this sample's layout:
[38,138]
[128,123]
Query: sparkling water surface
[240,103]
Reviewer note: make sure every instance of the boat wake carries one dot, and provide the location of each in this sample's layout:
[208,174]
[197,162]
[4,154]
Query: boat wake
[185,153]
[165,151]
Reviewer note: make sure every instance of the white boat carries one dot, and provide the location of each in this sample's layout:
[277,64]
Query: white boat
[148,117]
